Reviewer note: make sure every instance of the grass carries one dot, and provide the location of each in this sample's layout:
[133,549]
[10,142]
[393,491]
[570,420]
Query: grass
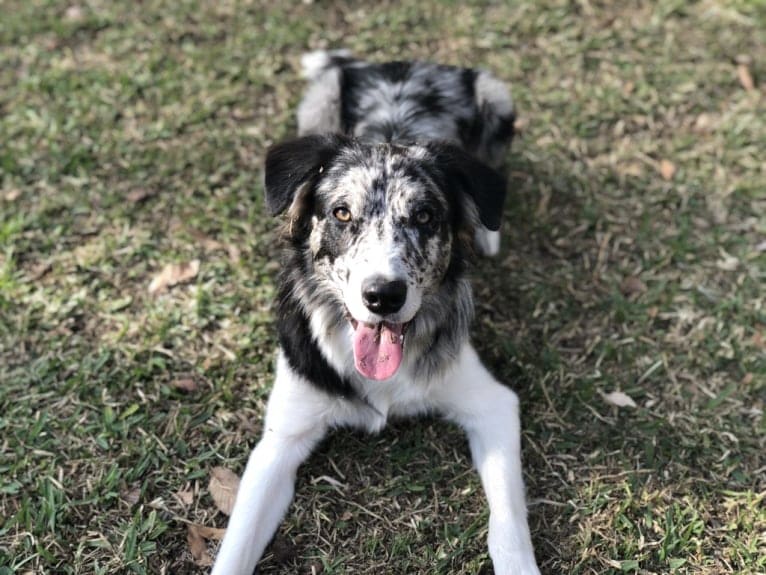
[132,137]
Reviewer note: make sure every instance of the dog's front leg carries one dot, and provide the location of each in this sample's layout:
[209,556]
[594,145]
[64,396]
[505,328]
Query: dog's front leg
[489,412]
[294,425]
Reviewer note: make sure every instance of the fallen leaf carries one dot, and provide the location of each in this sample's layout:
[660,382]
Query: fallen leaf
[212,245]
[632,285]
[205,240]
[139,195]
[197,546]
[520,124]
[667,170]
[186,384]
[130,496]
[745,77]
[223,488]
[761,247]
[173,274]
[74,13]
[704,122]
[12,194]
[748,379]
[40,270]
[728,262]
[234,253]
[186,497]
[619,399]
[211,533]
[545,200]
[634,169]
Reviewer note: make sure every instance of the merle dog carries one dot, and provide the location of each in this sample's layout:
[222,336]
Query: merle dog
[390,187]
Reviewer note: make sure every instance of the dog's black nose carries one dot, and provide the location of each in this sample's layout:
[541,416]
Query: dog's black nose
[382,296]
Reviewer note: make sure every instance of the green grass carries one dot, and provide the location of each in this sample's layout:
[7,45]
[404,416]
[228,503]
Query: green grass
[131,137]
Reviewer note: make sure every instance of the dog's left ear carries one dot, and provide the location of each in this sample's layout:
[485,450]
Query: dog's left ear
[464,174]
[293,164]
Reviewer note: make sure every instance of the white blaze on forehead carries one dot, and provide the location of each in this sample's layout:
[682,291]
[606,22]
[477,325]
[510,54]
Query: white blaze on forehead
[380,252]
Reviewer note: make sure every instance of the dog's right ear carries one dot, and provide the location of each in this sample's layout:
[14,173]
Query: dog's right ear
[293,164]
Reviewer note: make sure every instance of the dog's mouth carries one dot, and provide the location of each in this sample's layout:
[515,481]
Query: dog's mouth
[378,348]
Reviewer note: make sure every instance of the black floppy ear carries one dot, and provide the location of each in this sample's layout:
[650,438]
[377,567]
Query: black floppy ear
[291,164]
[464,174]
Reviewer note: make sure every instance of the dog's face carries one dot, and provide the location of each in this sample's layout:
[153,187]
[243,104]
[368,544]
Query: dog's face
[380,224]
[381,232]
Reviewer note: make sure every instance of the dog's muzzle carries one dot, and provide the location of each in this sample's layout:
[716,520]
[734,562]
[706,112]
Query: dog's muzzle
[384,297]
[379,347]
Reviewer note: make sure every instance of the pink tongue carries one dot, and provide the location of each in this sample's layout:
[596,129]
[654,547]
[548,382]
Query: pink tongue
[377,350]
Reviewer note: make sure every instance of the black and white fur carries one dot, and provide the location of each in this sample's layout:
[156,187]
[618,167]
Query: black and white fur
[392,180]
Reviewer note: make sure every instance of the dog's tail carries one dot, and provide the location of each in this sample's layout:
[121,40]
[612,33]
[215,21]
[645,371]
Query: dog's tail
[315,63]
[320,110]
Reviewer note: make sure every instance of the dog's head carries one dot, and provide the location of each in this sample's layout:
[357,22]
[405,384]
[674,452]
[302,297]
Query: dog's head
[381,226]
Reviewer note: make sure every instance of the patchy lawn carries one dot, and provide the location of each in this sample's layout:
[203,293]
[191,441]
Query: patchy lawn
[634,261]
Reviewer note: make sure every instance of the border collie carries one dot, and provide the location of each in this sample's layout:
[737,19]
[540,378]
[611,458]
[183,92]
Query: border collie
[390,185]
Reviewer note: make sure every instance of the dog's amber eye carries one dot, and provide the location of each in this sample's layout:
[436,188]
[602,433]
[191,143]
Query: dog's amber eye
[342,214]
[423,217]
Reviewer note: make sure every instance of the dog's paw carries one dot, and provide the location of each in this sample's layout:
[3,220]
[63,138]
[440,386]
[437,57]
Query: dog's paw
[517,569]
[521,563]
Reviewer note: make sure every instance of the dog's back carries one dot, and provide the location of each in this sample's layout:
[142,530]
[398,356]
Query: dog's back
[407,102]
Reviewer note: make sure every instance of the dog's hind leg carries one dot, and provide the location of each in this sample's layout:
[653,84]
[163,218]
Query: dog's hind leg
[320,109]
[487,241]
[497,114]
[489,412]
[294,425]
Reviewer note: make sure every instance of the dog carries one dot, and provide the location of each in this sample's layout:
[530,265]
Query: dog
[391,184]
